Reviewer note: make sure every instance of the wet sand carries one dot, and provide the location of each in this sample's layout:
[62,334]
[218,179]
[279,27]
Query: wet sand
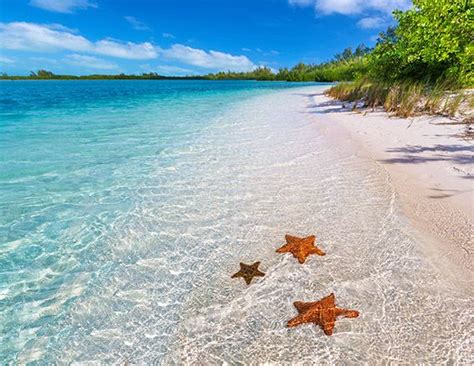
[430,162]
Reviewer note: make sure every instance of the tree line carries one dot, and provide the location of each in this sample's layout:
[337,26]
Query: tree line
[344,66]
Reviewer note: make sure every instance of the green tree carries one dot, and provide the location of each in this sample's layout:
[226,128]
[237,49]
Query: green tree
[43,74]
[433,40]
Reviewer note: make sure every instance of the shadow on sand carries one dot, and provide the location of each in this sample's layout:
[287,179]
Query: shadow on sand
[413,154]
[410,154]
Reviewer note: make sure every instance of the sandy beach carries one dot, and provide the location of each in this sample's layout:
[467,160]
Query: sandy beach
[430,163]
[324,171]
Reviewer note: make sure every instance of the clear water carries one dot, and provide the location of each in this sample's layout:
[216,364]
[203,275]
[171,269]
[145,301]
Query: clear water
[126,206]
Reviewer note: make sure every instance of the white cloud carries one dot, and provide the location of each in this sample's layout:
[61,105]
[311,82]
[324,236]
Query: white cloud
[136,24]
[62,6]
[90,62]
[301,2]
[269,53]
[130,50]
[60,27]
[168,35]
[37,37]
[209,60]
[168,70]
[174,70]
[348,7]
[25,36]
[44,60]
[372,22]
[31,36]
[6,60]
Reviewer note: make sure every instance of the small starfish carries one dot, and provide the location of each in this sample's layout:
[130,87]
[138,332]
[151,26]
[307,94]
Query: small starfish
[323,313]
[248,272]
[301,248]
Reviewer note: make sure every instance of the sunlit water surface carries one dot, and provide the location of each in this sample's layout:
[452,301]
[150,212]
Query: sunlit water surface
[126,206]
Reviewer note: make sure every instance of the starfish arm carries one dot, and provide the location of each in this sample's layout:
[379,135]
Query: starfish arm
[328,301]
[301,257]
[328,328]
[255,265]
[303,306]
[259,273]
[347,313]
[247,279]
[284,249]
[297,320]
[317,251]
[291,239]
[235,275]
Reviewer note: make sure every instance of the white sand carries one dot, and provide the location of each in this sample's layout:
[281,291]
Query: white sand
[430,163]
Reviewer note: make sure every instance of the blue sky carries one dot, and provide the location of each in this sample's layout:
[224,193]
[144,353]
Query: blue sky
[179,37]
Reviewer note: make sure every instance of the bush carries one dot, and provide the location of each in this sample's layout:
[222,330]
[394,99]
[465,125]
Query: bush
[432,41]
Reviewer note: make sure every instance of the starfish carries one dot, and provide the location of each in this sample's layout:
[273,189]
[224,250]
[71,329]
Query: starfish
[301,248]
[323,313]
[248,272]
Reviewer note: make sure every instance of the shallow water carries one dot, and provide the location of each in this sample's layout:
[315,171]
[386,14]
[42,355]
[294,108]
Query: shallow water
[124,215]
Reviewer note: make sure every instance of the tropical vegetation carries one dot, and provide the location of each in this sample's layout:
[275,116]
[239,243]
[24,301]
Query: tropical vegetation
[424,64]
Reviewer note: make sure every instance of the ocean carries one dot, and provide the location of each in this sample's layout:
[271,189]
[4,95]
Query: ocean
[125,207]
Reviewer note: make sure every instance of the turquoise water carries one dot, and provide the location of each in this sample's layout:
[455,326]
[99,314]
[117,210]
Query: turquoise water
[125,206]
[79,161]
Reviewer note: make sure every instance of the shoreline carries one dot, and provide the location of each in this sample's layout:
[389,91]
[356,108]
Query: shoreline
[430,166]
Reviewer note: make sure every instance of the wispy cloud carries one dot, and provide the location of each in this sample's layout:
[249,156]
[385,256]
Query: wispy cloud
[174,70]
[63,6]
[25,36]
[209,60]
[168,70]
[6,60]
[90,62]
[44,60]
[349,7]
[373,22]
[60,27]
[267,53]
[168,35]
[136,24]
[301,2]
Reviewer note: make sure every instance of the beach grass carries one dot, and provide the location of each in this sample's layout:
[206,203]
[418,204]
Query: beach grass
[406,98]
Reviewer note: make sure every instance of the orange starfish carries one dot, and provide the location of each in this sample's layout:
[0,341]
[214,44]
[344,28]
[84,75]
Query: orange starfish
[301,248]
[323,313]
[248,272]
